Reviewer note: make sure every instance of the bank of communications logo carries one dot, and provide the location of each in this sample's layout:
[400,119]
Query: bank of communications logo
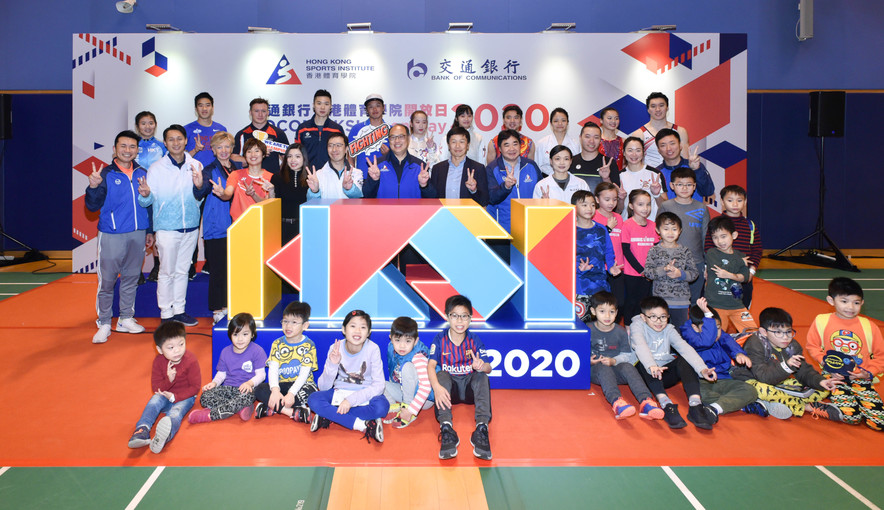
[284,74]
[415,70]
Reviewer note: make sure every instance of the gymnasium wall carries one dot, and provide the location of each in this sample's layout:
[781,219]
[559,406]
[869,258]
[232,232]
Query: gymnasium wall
[782,168]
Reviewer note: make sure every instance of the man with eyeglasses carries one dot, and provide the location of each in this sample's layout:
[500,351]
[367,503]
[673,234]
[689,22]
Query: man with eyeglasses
[337,179]
[399,174]
[669,145]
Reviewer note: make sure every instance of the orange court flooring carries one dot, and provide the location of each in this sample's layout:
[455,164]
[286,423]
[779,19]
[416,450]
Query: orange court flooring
[70,406]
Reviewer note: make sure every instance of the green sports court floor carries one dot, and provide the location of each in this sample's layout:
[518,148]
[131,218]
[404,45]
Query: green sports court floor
[505,487]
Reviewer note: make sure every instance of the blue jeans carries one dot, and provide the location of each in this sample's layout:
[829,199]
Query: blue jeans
[320,403]
[160,404]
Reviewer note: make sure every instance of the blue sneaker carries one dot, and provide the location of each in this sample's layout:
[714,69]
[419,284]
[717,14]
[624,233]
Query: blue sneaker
[140,438]
[756,408]
[185,319]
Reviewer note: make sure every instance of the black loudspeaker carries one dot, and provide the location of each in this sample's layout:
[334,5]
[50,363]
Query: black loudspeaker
[5,116]
[827,113]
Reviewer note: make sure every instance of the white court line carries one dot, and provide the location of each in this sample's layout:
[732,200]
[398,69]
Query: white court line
[146,487]
[853,492]
[22,283]
[826,290]
[683,488]
[9,294]
[3,470]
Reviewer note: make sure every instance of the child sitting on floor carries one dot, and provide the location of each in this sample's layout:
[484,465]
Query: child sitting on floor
[653,339]
[459,367]
[717,348]
[351,386]
[613,361]
[290,368]
[408,389]
[778,367]
[843,339]
[240,368]
[175,380]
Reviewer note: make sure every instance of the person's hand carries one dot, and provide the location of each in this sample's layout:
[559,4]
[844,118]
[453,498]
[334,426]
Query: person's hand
[171,371]
[288,400]
[830,384]
[405,415]
[742,359]
[510,180]
[656,186]
[149,241]
[143,188]
[347,179]
[672,271]
[443,398]
[266,185]
[621,193]
[608,361]
[477,363]
[721,273]
[95,177]
[694,160]
[334,355]
[246,387]
[424,176]
[168,394]
[616,269]
[312,180]
[657,372]
[595,359]
[197,176]
[384,150]
[471,181]
[209,386]
[250,191]
[197,144]
[544,192]
[612,222]
[584,265]
[275,399]
[703,305]
[709,374]
[795,361]
[373,171]
[344,408]
[217,188]
[605,169]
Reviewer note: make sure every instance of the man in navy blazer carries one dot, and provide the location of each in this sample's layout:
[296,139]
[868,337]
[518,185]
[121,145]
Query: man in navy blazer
[460,176]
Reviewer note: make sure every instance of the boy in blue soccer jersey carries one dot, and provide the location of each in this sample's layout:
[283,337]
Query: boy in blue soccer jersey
[458,371]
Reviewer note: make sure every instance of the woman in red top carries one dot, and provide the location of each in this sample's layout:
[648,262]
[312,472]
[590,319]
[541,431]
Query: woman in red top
[251,185]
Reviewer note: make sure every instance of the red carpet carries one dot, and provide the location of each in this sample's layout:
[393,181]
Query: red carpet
[68,402]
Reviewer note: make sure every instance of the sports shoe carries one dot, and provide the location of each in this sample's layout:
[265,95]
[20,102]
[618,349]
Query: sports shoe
[129,325]
[622,409]
[218,316]
[649,410]
[164,430]
[756,408]
[185,319]
[140,438]
[449,440]
[301,415]
[698,416]
[777,410]
[245,414]
[711,414]
[100,337]
[261,411]
[199,416]
[673,419]
[481,444]
[822,410]
[318,422]
[374,429]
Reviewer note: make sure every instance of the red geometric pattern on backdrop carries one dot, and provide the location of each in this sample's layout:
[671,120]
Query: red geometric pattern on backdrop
[704,105]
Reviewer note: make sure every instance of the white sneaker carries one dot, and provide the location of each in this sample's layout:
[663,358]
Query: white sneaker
[129,325]
[776,409]
[217,316]
[104,331]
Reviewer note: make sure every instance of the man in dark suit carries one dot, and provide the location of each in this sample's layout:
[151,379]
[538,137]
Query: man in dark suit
[460,176]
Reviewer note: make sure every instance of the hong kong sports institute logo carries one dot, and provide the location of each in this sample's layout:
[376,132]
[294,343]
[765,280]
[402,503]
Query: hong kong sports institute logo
[284,74]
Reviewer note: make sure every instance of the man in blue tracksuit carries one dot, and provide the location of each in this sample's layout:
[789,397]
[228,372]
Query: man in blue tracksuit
[122,223]
[509,176]
[399,174]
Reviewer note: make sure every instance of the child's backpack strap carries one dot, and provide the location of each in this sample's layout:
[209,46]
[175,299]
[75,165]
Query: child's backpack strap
[867,331]
[751,232]
[820,324]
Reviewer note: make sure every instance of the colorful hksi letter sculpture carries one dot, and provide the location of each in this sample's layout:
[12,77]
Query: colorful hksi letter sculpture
[342,259]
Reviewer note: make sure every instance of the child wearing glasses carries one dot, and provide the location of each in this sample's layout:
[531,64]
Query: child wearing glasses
[458,370]
[290,368]
[653,339]
[780,373]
